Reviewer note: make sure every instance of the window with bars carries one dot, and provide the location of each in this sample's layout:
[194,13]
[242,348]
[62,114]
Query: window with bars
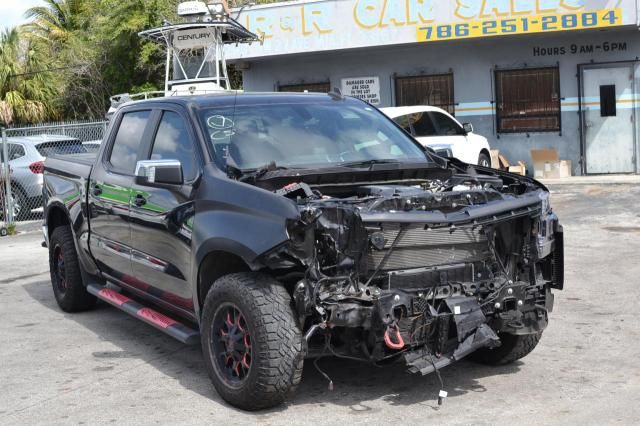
[432,90]
[309,87]
[528,100]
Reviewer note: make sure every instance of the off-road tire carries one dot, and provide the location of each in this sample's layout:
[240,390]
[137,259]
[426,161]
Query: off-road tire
[484,160]
[74,297]
[513,348]
[276,340]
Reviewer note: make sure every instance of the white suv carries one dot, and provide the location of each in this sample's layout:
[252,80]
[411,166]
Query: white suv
[26,159]
[438,130]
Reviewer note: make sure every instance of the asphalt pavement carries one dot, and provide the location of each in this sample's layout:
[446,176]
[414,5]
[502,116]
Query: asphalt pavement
[103,367]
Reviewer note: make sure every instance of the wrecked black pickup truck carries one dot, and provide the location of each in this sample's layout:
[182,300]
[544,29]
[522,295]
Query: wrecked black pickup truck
[270,228]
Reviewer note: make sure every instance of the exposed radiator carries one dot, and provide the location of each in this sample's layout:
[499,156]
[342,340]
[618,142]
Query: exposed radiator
[420,247]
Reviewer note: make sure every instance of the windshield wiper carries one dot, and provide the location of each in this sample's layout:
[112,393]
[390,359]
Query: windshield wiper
[255,174]
[367,163]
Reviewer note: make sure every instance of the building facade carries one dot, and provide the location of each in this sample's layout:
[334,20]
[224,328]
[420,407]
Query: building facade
[528,74]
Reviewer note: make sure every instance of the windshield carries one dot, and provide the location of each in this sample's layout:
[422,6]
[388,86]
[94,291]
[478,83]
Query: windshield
[299,134]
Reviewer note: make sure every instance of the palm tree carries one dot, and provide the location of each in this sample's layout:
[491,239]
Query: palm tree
[57,20]
[26,94]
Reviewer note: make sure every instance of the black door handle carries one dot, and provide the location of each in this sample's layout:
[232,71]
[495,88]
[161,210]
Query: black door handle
[140,200]
[97,191]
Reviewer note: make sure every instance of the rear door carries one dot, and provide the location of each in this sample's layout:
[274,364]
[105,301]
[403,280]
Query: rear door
[110,187]
[162,216]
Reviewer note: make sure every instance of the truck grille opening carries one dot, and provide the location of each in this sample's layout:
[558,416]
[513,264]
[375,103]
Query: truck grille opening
[422,247]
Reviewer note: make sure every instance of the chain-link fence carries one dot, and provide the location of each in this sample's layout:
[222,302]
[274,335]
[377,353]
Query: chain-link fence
[22,154]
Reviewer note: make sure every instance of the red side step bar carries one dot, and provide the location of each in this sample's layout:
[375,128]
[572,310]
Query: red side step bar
[162,322]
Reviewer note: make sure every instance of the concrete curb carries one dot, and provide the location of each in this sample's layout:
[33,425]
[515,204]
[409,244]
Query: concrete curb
[595,180]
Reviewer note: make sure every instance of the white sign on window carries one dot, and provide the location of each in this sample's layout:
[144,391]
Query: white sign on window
[365,88]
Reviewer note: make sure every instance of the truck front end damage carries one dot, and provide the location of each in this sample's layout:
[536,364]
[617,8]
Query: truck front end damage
[426,270]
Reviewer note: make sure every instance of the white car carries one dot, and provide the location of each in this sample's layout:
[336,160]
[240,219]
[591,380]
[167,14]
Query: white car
[26,158]
[438,130]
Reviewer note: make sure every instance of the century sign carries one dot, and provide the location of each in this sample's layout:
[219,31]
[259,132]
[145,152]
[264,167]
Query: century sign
[193,39]
[317,25]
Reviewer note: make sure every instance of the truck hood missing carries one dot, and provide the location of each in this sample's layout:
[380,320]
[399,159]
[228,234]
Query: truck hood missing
[419,260]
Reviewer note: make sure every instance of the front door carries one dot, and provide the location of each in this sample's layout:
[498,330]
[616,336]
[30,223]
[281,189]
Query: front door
[608,120]
[162,218]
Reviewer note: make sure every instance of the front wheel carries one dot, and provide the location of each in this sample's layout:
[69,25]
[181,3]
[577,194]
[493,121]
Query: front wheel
[484,160]
[251,342]
[513,348]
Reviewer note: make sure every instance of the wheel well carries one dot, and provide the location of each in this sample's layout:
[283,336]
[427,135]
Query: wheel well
[215,265]
[55,218]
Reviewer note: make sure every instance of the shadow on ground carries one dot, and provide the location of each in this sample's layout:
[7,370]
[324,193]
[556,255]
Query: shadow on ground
[355,384]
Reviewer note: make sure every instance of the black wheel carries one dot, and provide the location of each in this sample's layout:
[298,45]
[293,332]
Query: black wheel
[66,279]
[484,160]
[251,342]
[3,232]
[512,349]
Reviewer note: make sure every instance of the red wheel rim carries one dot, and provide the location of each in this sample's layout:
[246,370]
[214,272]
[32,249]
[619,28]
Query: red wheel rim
[60,269]
[231,343]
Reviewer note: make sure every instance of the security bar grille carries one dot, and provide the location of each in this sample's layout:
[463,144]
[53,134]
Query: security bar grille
[433,90]
[528,100]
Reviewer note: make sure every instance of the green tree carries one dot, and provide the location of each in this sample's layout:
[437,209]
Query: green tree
[26,94]
[57,20]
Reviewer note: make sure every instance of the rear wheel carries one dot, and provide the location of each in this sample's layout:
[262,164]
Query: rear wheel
[513,348]
[64,267]
[484,160]
[19,203]
[251,342]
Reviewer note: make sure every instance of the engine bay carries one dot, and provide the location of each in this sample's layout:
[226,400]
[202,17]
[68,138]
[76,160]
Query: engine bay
[429,270]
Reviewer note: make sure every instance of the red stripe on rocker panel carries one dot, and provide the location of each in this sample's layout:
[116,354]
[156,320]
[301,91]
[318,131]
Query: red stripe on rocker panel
[113,296]
[158,319]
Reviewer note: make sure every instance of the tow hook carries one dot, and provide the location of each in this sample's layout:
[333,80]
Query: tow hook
[399,341]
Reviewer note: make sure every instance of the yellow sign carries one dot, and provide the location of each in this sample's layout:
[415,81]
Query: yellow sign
[521,25]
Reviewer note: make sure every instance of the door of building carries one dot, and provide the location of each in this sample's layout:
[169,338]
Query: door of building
[608,98]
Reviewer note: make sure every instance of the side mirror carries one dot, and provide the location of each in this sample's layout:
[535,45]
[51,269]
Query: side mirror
[468,127]
[159,172]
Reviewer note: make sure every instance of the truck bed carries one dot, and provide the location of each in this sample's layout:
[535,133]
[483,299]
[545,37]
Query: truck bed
[72,165]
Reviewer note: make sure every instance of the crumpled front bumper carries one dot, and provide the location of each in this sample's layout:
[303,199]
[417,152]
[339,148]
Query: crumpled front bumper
[472,330]
[423,362]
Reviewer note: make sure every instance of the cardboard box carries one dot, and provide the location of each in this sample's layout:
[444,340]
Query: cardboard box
[565,169]
[520,169]
[547,164]
[495,159]
[504,163]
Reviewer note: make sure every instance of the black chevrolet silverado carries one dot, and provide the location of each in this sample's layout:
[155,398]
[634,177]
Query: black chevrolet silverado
[270,228]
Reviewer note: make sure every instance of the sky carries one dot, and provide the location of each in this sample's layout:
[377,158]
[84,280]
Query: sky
[12,11]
